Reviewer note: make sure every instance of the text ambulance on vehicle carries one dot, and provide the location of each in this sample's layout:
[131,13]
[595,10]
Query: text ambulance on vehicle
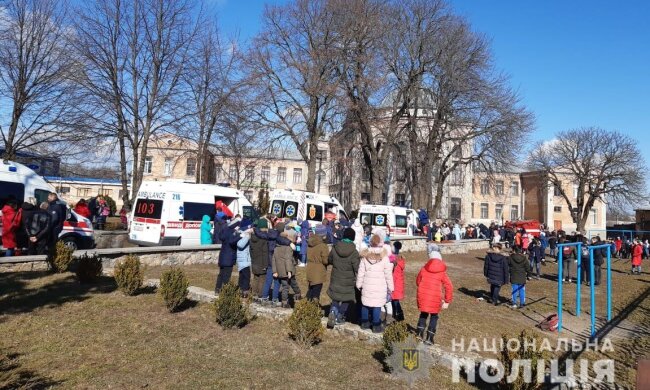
[308,206]
[393,219]
[170,213]
[20,182]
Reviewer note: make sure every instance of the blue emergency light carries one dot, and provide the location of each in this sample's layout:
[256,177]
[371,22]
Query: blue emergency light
[13,168]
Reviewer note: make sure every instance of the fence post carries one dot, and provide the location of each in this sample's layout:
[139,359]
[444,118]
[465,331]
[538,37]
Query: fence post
[609,283]
[559,288]
[578,280]
[593,293]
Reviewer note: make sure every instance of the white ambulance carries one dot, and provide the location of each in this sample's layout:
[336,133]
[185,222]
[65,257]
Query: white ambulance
[170,213]
[20,183]
[307,206]
[395,220]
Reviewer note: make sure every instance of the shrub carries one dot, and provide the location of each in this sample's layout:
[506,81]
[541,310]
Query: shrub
[229,309]
[305,325]
[173,288]
[129,275]
[396,332]
[533,353]
[61,258]
[89,268]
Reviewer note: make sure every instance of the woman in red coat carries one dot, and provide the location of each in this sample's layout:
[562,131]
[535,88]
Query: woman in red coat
[637,254]
[430,281]
[11,219]
[398,281]
[82,209]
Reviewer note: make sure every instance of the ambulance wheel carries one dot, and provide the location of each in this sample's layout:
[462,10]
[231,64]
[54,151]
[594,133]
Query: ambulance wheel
[70,242]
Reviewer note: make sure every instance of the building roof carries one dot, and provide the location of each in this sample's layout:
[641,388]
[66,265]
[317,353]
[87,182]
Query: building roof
[86,180]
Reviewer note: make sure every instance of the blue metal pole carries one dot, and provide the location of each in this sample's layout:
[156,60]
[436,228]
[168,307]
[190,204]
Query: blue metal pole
[559,289]
[593,293]
[578,280]
[609,283]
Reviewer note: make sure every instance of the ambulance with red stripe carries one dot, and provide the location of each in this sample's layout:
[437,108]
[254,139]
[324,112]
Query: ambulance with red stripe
[310,206]
[170,213]
[21,183]
[393,219]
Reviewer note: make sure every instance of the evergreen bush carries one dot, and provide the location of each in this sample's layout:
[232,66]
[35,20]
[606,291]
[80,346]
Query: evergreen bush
[61,258]
[305,325]
[229,308]
[173,288]
[529,350]
[396,332]
[129,275]
[89,268]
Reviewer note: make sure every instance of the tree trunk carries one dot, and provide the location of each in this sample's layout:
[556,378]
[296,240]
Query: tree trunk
[123,168]
[311,165]
[437,201]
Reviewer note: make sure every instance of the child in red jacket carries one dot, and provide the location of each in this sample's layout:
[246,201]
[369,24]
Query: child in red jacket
[398,282]
[430,281]
[637,256]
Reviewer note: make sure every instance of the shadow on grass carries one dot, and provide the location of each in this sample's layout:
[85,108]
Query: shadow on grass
[145,290]
[17,297]
[186,305]
[12,376]
[474,293]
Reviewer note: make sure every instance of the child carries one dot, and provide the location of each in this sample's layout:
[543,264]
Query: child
[637,255]
[317,254]
[285,272]
[206,231]
[496,272]
[344,259]
[375,279]
[244,259]
[519,270]
[535,256]
[398,281]
[430,280]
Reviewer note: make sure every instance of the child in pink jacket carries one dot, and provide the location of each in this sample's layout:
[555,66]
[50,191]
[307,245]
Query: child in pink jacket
[375,280]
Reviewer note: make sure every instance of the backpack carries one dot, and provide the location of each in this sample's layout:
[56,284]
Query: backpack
[566,251]
[550,323]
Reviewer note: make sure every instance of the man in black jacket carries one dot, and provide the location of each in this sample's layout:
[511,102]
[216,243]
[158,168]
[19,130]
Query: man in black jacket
[496,271]
[38,229]
[58,213]
[599,254]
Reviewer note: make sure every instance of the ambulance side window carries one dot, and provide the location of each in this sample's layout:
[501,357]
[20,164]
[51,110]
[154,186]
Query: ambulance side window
[10,190]
[41,196]
[366,219]
[195,211]
[400,221]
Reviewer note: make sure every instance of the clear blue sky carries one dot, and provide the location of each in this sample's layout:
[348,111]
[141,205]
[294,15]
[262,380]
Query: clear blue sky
[575,63]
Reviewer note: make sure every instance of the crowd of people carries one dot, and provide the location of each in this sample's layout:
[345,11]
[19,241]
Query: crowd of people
[367,271]
[97,210]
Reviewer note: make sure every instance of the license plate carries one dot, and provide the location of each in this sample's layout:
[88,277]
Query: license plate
[138,228]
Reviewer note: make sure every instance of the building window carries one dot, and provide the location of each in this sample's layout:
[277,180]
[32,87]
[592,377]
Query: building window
[365,196]
[233,172]
[456,177]
[167,170]
[365,174]
[514,188]
[557,209]
[400,199]
[594,217]
[484,211]
[63,190]
[249,174]
[83,191]
[454,208]
[106,192]
[266,174]
[556,190]
[148,164]
[514,213]
[297,175]
[575,191]
[218,168]
[282,175]
[498,188]
[485,187]
[498,211]
[191,167]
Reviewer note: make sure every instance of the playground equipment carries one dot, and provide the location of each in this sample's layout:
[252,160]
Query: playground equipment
[591,248]
[622,233]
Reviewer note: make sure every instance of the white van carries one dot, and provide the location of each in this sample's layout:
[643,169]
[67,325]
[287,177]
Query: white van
[19,182]
[307,206]
[170,213]
[393,219]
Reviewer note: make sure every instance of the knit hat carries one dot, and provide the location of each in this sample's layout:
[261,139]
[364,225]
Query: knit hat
[397,246]
[434,251]
[320,230]
[381,233]
[349,234]
[262,223]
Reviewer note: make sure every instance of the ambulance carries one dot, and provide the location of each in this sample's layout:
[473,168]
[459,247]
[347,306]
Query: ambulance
[309,206]
[170,213]
[393,219]
[20,182]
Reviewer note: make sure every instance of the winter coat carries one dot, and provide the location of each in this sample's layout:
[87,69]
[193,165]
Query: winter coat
[535,253]
[219,226]
[272,238]
[398,276]
[344,260]
[456,232]
[82,209]
[38,225]
[552,242]
[243,252]
[525,242]
[259,252]
[304,237]
[519,268]
[637,255]
[317,260]
[619,244]
[599,254]
[375,277]
[228,252]
[11,220]
[424,217]
[283,261]
[495,269]
[358,234]
[206,233]
[430,281]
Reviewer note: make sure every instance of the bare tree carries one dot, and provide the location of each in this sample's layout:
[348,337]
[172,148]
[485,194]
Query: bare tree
[292,60]
[603,166]
[134,55]
[37,70]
